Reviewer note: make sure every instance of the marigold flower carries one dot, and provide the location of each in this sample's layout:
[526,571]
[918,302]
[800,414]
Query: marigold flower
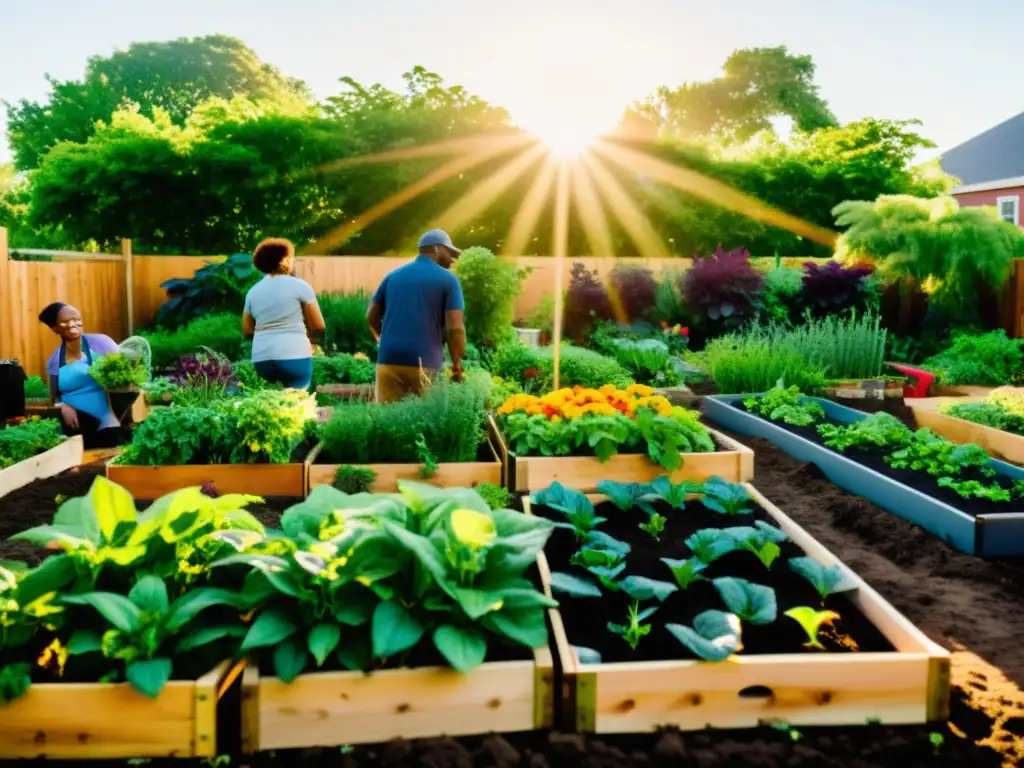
[639,390]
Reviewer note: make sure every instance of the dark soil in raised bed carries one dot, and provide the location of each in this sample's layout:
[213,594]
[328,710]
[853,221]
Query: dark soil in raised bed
[873,458]
[585,624]
[36,503]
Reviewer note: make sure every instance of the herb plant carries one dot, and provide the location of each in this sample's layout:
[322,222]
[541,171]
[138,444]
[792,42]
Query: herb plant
[117,371]
[31,437]
[495,496]
[786,405]
[634,630]
[349,479]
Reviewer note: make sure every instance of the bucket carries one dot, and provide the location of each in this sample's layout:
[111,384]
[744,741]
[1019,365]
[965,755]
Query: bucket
[530,337]
[12,389]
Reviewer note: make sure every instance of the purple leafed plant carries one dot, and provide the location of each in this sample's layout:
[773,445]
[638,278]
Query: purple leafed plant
[829,288]
[723,289]
[634,287]
[203,370]
[587,300]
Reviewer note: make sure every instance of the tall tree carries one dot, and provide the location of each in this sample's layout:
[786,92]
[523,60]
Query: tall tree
[174,76]
[757,85]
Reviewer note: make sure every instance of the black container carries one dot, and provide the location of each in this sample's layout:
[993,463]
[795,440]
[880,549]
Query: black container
[12,389]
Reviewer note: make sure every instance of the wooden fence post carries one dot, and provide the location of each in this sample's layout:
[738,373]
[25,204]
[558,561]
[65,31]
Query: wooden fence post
[5,304]
[129,283]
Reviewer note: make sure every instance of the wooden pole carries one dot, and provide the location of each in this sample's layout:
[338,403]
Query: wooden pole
[561,234]
[6,343]
[129,283]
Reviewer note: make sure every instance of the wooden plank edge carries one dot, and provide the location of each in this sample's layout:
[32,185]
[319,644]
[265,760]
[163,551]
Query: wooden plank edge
[250,720]
[67,454]
[204,720]
[899,630]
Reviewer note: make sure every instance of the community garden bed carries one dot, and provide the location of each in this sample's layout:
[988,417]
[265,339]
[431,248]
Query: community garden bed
[985,517]
[34,449]
[867,663]
[581,436]
[256,444]
[984,421]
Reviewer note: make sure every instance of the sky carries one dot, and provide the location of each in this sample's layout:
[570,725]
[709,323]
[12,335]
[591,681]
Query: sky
[569,65]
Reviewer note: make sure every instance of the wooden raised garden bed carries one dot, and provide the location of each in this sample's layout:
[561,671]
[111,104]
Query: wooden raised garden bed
[78,721]
[960,390]
[1003,445]
[997,534]
[866,389]
[909,683]
[733,462]
[333,708]
[466,474]
[257,479]
[47,464]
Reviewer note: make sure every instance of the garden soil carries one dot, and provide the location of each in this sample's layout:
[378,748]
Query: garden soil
[973,607]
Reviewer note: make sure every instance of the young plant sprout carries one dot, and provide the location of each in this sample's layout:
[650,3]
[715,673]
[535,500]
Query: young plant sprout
[635,630]
[753,603]
[709,544]
[715,635]
[726,498]
[575,506]
[811,620]
[762,540]
[827,579]
[654,526]
[687,571]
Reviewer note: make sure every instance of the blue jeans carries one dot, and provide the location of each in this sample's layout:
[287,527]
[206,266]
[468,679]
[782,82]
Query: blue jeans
[293,374]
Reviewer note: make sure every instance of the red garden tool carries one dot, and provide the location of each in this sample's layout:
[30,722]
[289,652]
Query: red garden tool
[918,381]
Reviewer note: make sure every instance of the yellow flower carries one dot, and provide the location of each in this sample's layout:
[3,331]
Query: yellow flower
[639,390]
[474,529]
[534,410]
[53,657]
[556,419]
[254,447]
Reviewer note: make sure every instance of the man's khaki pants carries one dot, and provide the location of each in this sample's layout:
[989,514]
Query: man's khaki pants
[396,381]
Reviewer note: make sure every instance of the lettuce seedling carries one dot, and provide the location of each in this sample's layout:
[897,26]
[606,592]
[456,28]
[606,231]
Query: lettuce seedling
[635,630]
[573,586]
[763,540]
[625,496]
[575,506]
[674,494]
[687,571]
[607,576]
[709,544]
[811,621]
[654,526]
[753,603]
[599,540]
[715,635]
[726,498]
[642,588]
[827,579]
[602,558]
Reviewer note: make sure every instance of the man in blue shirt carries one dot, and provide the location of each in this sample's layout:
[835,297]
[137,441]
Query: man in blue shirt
[411,311]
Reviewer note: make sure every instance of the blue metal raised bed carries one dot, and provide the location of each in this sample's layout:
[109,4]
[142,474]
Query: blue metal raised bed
[990,535]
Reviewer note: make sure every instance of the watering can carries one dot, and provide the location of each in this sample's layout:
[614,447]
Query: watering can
[918,381]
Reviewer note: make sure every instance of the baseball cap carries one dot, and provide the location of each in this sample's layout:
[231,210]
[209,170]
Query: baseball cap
[438,237]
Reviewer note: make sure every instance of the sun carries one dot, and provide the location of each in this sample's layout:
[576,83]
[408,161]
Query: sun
[566,135]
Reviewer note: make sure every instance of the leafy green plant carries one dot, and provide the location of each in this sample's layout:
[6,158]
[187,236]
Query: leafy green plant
[36,389]
[709,544]
[686,571]
[725,498]
[634,630]
[811,621]
[827,579]
[342,369]
[654,526]
[31,437]
[573,585]
[430,466]
[781,287]
[145,631]
[747,363]
[215,287]
[752,603]
[373,576]
[221,333]
[987,414]
[641,588]
[626,496]
[879,430]
[495,496]
[988,359]
[159,391]
[345,318]
[647,360]
[116,371]
[350,479]
[715,635]
[574,505]
[786,405]
[490,286]
[762,541]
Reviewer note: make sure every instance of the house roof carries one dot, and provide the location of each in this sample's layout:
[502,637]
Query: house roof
[996,154]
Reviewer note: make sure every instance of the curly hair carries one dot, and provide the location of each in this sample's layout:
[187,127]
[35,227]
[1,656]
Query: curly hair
[270,253]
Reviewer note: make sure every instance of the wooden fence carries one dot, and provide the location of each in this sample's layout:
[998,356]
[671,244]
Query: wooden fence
[117,293]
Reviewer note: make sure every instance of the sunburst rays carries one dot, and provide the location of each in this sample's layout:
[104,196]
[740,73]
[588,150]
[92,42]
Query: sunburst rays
[585,183]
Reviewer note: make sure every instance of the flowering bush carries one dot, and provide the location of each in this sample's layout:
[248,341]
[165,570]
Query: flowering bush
[602,422]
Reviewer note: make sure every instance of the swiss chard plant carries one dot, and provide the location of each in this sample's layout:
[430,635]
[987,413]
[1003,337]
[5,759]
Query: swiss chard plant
[374,576]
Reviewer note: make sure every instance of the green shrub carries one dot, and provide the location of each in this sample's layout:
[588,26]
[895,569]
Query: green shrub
[448,419]
[349,479]
[221,333]
[583,367]
[751,364]
[542,318]
[987,359]
[215,287]
[30,438]
[495,496]
[342,369]
[345,318]
[511,361]
[781,288]
[490,286]
[36,389]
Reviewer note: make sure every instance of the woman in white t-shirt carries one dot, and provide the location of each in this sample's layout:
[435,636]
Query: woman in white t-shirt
[281,316]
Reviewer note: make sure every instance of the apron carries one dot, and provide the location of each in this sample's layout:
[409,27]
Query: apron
[81,391]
